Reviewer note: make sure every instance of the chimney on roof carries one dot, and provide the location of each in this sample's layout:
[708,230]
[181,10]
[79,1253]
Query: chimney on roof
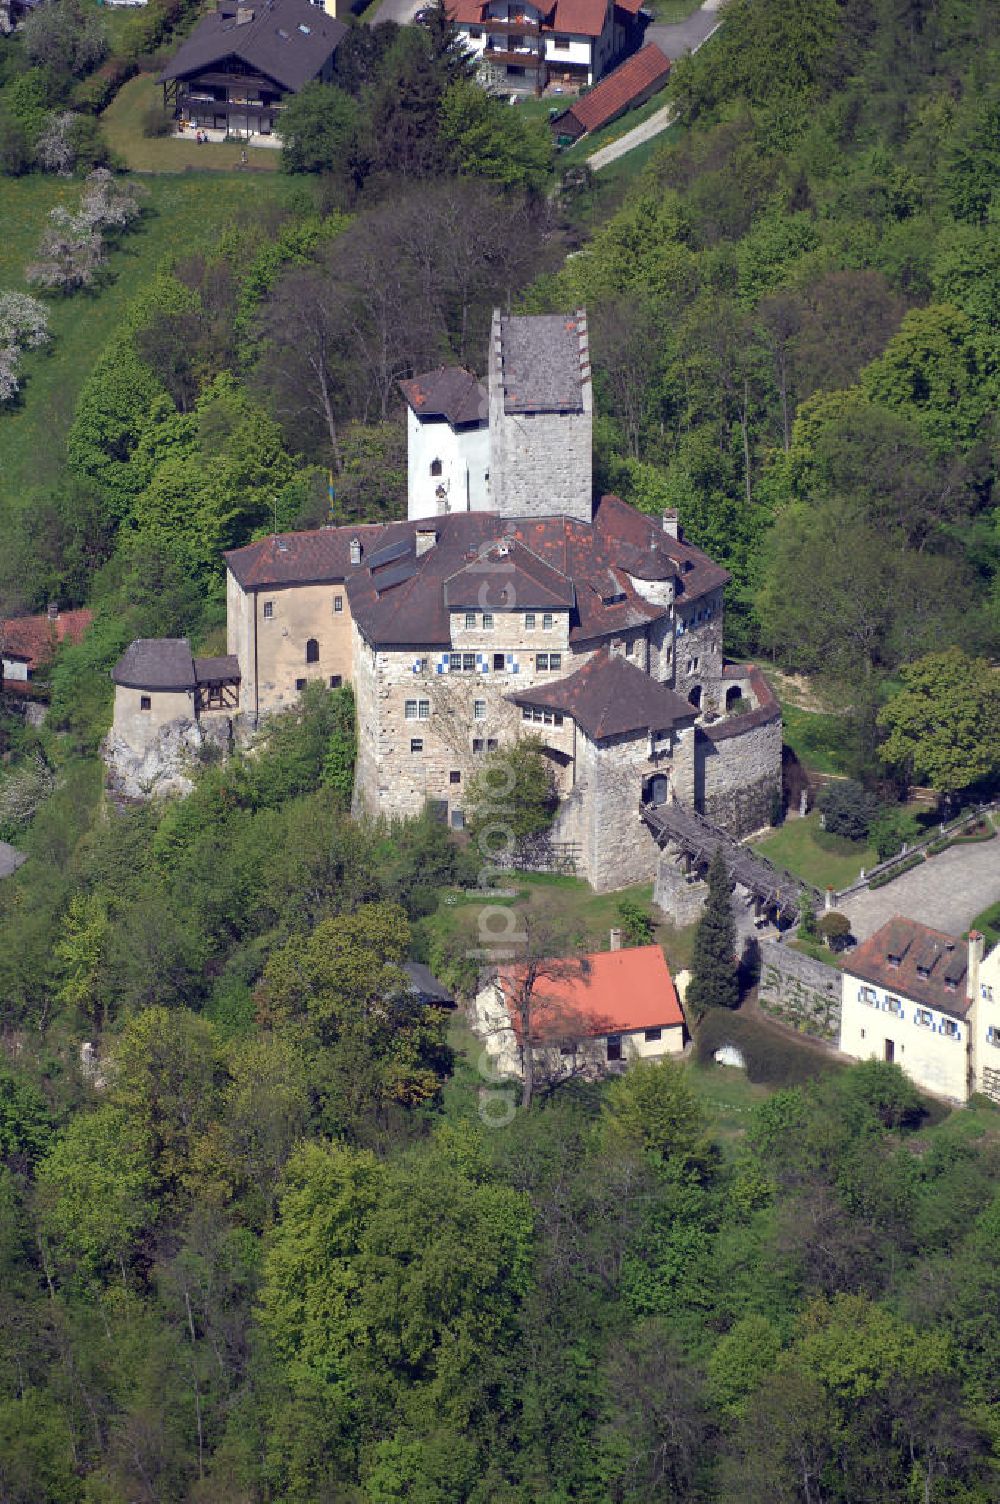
[356,550]
[977,950]
[671,525]
[426,539]
[53,610]
[616,939]
[244,13]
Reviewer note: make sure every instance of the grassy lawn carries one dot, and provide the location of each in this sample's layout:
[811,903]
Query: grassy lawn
[988,924]
[817,739]
[182,213]
[794,846]
[726,1095]
[122,122]
[669,12]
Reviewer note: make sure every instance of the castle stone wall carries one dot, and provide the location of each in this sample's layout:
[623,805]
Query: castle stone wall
[738,773]
[272,648]
[800,990]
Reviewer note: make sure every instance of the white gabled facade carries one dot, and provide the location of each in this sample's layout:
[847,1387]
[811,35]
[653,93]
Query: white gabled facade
[448,468]
[932,1047]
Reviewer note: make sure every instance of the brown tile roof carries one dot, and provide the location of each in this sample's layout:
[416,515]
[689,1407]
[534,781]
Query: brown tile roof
[322,556]
[916,962]
[542,362]
[766,711]
[585,18]
[288,40]
[34,639]
[450,393]
[611,697]
[638,77]
[163,663]
[400,600]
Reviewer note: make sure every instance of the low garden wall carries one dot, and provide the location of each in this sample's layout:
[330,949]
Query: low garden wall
[800,990]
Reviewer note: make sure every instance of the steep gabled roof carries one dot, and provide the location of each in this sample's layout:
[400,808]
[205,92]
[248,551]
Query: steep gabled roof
[914,961]
[287,40]
[34,639]
[611,697]
[639,76]
[507,576]
[607,992]
[585,18]
[450,393]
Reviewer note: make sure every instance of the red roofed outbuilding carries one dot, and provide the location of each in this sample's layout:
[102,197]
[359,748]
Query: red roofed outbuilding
[627,87]
[28,644]
[587,1014]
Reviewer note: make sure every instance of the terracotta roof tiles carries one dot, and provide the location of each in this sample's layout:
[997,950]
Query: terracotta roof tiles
[614,991]
[636,78]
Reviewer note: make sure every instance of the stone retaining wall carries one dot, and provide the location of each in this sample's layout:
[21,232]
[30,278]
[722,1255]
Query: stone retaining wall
[800,990]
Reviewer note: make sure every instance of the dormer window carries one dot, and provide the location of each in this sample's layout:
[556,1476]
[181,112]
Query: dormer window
[893,961]
[355,550]
[923,972]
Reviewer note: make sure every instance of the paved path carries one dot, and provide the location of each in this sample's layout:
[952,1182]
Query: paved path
[685,36]
[673,41]
[400,11]
[947,892]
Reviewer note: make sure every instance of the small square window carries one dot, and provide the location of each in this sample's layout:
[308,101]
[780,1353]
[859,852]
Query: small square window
[268,610]
[491,744]
[458,819]
[145,702]
[479,710]
[526,713]
[652,1035]
[300,684]
[529,621]
[614,1047]
[423,710]
[416,744]
[547,622]
[470,621]
[455,663]
[478,745]
[335,681]
[558,718]
[468,663]
[542,662]
[338,603]
[555,660]
[454,776]
[410,710]
[487,621]
[499,663]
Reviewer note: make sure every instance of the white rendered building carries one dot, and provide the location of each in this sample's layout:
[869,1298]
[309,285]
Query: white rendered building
[448,444]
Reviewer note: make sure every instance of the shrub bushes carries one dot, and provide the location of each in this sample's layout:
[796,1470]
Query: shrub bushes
[881,878]
[848,809]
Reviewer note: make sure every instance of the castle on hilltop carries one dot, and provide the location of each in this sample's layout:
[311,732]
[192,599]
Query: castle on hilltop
[508,603]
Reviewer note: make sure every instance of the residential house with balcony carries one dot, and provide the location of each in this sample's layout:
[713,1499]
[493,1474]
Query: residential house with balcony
[567,43]
[242,61]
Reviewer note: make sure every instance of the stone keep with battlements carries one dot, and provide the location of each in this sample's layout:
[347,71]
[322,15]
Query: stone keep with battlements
[592,627]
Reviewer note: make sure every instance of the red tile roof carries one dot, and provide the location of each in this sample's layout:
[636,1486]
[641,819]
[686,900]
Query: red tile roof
[913,961]
[639,75]
[467,12]
[609,992]
[405,602]
[584,18]
[35,638]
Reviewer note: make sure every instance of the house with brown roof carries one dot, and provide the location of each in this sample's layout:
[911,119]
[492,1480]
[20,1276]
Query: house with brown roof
[587,625]
[629,85]
[589,1015]
[242,61]
[907,999]
[29,643]
[528,44]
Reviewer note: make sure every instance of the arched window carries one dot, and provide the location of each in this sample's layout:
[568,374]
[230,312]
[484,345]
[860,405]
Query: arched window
[435,467]
[695,697]
[312,651]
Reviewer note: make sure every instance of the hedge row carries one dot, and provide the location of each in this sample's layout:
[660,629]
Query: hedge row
[148,28]
[881,878]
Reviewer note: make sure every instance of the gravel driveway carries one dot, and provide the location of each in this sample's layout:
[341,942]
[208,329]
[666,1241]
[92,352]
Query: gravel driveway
[946,893]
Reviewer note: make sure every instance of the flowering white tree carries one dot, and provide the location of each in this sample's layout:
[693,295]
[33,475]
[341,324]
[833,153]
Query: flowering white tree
[70,256]
[73,249]
[56,149]
[24,325]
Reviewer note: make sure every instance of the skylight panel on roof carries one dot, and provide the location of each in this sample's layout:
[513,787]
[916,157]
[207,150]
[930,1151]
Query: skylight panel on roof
[393,577]
[390,553]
